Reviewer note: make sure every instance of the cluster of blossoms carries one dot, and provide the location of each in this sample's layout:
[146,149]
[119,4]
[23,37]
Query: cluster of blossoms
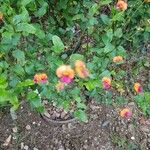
[126,113]
[40,78]
[118,59]
[106,81]
[138,88]
[66,74]
[121,5]
[81,69]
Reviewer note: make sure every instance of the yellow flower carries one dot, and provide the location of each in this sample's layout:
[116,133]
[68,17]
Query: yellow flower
[81,69]
[118,59]
[121,5]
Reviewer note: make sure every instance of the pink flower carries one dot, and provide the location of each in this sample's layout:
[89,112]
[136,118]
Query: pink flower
[65,79]
[106,81]
[126,113]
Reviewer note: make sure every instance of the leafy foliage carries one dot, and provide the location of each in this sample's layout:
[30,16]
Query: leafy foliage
[35,34]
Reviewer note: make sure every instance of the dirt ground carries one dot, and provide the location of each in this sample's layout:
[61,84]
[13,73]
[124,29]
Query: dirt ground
[104,131]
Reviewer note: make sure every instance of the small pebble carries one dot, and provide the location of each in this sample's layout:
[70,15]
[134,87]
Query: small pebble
[22,145]
[14,129]
[132,138]
[26,147]
[28,127]
[105,124]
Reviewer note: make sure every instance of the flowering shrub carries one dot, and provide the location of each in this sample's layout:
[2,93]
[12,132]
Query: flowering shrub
[45,44]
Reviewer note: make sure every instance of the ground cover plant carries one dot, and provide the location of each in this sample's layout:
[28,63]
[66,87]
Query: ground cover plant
[78,58]
[68,51]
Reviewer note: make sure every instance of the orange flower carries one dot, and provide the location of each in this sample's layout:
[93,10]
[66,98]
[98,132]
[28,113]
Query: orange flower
[1,15]
[40,78]
[138,88]
[59,86]
[117,59]
[106,81]
[125,113]
[81,69]
[65,73]
[121,5]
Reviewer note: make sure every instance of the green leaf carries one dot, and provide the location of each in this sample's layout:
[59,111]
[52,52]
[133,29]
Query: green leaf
[25,83]
[31,95]
[80,114]
[35,101]
[147,29]
[78,16]
[118,33]
[105,73]
[105,19]
[78,99]
[75,57]
[3,83]
[118,17]
[81,106]
[109,34]
[26,2]
[106,2]
[26,27]
[18,69]
[2,79]
[29,68]
[14,101]
[22,17]
[105,39]
[109,48]
[42,11]
[121,51]
[91,84]
[20,56]
[147,96]
[58,44]
[39,32]
[93,9]
[4,96]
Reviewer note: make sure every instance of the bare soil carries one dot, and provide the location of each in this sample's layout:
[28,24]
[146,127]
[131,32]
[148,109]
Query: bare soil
[106,130]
